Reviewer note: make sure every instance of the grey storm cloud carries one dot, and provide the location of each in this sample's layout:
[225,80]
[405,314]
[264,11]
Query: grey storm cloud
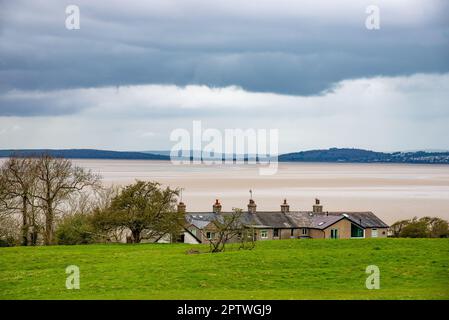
[287,47]
[24,104]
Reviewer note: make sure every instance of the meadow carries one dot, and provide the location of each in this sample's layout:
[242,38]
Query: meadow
[286,269]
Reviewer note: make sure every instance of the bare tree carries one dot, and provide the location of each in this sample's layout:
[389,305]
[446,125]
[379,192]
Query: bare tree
[78,213]
[105,195]
[85,203]
[397,227]
[17,183]
[35,221]
[230,227]
[9,230]
[436,227]
[57,180]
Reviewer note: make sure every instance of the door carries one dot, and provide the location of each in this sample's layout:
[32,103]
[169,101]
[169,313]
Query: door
[334,233]
[374,233]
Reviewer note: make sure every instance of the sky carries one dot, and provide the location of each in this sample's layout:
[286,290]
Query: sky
[137,70]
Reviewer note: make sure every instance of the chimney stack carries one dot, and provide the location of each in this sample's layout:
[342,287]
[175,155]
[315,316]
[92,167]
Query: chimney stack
[252,206]
[216,208]
[285,207]
[317,208]
[181,207]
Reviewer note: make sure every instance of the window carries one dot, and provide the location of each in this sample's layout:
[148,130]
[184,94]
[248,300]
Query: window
[334,233]
[193,231]
[254,235]
[210,235]
[374,233]
[304,231]
[356,231]
[275,232]
[264,234]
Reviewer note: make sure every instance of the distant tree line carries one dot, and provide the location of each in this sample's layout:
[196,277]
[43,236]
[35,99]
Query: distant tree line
[85,154]
[425,227]
[362,156]
[48,200]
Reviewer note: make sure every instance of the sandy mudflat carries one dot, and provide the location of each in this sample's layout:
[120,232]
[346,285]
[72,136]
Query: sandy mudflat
[392,191]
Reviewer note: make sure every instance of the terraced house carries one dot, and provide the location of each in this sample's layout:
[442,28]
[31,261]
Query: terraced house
[286,224]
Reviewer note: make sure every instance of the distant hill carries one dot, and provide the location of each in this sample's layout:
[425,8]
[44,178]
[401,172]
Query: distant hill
[365,156]
[158,152]
[325,155]
[85,154]
[336,155]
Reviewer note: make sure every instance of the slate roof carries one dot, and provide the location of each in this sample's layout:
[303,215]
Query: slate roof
[275,219]
[323,221]
[365,219]
[201,219]
[301,219]
[293,219]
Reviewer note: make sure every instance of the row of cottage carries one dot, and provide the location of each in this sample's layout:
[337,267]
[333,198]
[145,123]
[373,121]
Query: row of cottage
[286,224]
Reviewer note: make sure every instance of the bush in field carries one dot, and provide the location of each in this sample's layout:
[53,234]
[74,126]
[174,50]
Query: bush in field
[425,227]
[8,241]
[415,229]
[76,229]
[9,231]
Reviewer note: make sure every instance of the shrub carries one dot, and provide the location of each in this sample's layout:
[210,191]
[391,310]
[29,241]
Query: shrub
[75,229]
[425,227]
[8,242]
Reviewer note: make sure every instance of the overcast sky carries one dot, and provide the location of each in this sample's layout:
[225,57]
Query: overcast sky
[137,70]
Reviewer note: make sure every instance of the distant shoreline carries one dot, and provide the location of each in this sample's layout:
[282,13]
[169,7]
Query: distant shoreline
[333,155]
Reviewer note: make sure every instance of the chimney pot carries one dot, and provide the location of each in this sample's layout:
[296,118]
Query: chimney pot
[181,207]
[317,207]
[217,206]
[252,206]
[285,207]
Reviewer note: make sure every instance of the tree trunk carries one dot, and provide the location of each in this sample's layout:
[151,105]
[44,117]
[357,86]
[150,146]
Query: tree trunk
[34,238]
[49,224]
[32,227]
[24,221]
[136,235]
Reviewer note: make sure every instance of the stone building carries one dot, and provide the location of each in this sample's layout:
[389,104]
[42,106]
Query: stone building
[286,224]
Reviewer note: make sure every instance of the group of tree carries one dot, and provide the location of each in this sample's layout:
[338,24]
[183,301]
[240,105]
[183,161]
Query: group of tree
[425,227]
[48,200]
[34,191]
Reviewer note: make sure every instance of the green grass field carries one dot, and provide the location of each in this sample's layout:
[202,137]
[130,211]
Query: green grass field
[287,269]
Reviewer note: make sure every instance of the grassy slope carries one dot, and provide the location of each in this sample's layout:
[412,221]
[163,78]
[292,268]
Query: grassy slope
[288,269]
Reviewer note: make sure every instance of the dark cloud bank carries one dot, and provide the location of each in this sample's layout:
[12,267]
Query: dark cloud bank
[271,47]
